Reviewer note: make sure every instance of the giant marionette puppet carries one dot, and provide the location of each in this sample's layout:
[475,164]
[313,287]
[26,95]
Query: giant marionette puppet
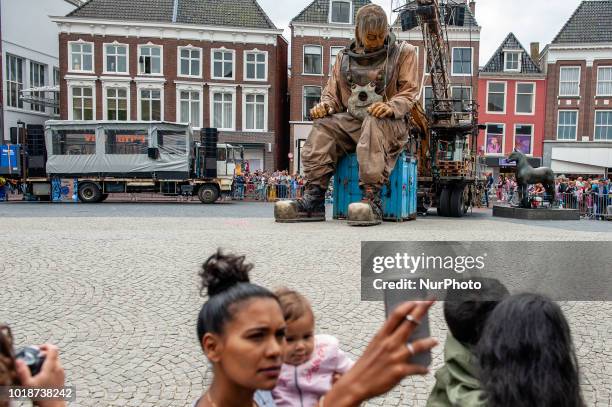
[365,107]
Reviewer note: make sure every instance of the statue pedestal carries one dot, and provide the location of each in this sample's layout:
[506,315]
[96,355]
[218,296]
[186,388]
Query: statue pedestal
[535,214]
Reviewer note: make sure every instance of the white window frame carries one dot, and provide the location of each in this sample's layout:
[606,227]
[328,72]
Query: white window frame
[8,82]
[255,91]
[303,97]
[212,65]
[84,83]
[599,68]
[127,58]
[532,133]
[351,11]
[255,51]
[453,61]
[424,93]
[178,61]
[304,60]
[505,97]
[149,86]
[595,125]
[56,81]
[486,139]
[93,56]
[37,107]
[533,99]
[190,87]
[464,87]
[222,89]
[579,75]
[519,55]
[331,54]
[117,84]
[161,59]
[577,122]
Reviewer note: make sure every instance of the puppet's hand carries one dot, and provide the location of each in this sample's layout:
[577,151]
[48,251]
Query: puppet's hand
[380,110]
[321,110]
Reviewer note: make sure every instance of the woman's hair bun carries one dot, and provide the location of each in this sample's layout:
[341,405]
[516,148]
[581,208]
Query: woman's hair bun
[222,271]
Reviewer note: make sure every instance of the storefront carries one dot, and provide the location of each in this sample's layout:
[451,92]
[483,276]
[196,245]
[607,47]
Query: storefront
[501,166]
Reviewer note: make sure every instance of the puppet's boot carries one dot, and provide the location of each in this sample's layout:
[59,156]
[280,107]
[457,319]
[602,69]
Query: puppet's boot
[368,212]
[309,208]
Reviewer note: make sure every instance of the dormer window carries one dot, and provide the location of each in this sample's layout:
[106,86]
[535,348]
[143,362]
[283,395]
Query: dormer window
[512,61]
[341,11]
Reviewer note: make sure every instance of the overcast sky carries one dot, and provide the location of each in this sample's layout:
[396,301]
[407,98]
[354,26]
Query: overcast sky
[530,20]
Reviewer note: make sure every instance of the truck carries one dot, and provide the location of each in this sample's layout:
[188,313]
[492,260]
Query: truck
[106,157]
[450,173]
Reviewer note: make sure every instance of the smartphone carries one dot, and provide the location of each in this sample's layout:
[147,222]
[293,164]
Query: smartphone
[393,298]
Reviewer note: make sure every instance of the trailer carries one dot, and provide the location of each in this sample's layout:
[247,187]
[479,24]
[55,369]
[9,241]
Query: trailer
[107,158]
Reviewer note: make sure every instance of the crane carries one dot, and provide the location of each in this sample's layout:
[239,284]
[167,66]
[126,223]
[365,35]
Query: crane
[450,173]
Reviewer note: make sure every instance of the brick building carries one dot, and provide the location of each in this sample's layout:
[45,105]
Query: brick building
[512,99]
[324,27]
[210,63]
[578,65]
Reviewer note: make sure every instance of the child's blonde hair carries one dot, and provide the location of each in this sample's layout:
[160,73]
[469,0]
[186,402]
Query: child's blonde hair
[293,304]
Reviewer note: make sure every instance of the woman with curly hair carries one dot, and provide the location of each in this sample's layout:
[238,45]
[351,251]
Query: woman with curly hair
[526,355]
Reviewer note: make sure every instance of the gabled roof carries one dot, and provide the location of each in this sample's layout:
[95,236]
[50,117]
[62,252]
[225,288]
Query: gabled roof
[317,12]
[232,13]
[496,63]
[469,21]
[591,22]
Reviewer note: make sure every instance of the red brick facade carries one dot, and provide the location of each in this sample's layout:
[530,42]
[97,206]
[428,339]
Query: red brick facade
[587,103]
[272,142]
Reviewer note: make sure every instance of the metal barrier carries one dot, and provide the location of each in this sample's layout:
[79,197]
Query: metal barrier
[591,206]
[258,191]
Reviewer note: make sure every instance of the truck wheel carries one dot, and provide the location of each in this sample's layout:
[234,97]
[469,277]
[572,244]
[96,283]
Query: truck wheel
[208,194]
[444,203]
[458,202]
[89,192]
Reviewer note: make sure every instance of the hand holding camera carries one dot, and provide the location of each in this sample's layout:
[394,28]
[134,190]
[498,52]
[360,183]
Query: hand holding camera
[40,367]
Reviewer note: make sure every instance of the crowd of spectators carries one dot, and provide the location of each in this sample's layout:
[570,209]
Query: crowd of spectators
[267,186]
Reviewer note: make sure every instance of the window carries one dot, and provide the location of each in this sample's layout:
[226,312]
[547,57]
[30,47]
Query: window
[525,98]
[56,82]
[512,61]
[312,96]
[255,112]
[341,12]
[37,79]
[190,61]
[604,81]
[172,141]
[603,125]
[462,96]
[126,141]
[495,139]
[496,97]
[567,125]
[223,110]
[313,60]
[150,105]
[81,56]
[82,103]
[14,81]
[223,64]
[116,104]
[523,136]
[255,65]
[569,81]
[150,60]
[189,107]
[428,99]
[74,142]
[116,60]
[462,61]
[333,53]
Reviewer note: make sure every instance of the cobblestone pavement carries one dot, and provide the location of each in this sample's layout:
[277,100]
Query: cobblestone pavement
[115,286]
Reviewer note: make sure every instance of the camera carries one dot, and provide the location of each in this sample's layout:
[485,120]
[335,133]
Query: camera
[32,357]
